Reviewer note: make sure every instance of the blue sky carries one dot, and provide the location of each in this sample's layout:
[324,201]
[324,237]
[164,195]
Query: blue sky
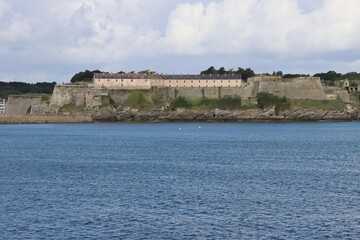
[52,40]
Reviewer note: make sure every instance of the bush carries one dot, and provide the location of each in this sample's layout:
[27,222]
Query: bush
[136,99]
[266,100]
[180,102]
[228,102]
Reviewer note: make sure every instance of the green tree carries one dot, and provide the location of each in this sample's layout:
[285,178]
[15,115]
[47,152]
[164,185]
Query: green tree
[85,76]
[245,73]
[222,71]
[210,70]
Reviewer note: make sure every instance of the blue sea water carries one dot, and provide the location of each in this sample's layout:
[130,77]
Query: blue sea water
[180,181]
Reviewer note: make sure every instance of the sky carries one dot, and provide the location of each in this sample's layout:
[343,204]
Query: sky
[51,40]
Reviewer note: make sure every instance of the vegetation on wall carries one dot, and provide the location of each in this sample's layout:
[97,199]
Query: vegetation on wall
[266,100]
[136,99]
[13,88]
[225,103]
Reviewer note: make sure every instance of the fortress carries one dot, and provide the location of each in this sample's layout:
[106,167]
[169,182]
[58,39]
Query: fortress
[116,88]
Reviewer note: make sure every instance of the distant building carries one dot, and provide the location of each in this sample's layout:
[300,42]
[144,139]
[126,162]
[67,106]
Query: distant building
[2,106]
[147,79]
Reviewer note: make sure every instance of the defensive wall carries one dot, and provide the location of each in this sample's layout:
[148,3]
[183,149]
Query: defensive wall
[299,88]
[91,96]
[25,105]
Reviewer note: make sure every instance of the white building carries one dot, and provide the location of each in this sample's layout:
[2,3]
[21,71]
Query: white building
[146,81]
[2,106]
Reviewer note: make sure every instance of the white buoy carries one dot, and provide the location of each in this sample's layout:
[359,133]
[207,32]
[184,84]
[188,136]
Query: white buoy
[199,126]
[179,129]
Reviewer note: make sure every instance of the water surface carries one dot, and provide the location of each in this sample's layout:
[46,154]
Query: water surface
[180,181]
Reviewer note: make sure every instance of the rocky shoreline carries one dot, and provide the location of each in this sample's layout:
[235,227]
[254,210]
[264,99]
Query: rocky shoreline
[186,115]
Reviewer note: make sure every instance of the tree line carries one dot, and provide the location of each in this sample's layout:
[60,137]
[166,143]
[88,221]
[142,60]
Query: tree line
[13,88]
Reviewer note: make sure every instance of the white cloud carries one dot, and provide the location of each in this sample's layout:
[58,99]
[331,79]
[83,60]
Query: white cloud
[279,27]
[287,33]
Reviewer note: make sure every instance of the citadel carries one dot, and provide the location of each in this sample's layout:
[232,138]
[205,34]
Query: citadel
[115,89]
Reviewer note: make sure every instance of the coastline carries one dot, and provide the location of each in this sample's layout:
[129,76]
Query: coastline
[186,115]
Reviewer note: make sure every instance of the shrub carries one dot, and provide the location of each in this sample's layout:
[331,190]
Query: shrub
[265,100]
[228,102]
[180,102]
[136,99]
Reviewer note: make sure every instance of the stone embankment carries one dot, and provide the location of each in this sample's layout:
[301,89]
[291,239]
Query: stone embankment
[21,119]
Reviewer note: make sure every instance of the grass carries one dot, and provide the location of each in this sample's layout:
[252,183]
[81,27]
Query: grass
[137,99]
[318,104]
[248,104]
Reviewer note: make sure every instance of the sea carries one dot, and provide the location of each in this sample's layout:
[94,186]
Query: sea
[180,181]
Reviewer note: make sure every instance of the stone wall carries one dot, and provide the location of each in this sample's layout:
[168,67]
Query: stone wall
[302,88]
[69,94]
[22,105]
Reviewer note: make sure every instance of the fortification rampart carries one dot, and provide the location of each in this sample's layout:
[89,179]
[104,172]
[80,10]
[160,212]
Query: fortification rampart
[22,105]
[69,94]
[301,88]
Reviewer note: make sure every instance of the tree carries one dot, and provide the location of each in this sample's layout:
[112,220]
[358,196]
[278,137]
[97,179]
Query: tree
[245,73]
[85,76]
[329,76]
[210,70]
[222,71]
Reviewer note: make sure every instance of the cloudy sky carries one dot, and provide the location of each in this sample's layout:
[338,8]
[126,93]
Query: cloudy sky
[51,40]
